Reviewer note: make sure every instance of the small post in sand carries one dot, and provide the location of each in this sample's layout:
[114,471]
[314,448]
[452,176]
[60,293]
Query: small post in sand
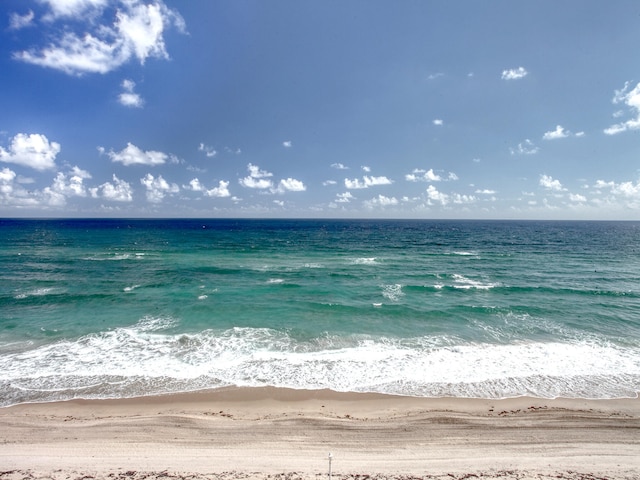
[330,458]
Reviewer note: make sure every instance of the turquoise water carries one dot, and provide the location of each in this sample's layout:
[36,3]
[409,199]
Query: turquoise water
[119,308]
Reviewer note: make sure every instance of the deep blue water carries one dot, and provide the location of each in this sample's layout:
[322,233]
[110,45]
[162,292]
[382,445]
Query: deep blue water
[115,308]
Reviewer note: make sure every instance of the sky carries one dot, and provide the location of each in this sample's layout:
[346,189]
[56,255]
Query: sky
[320,109]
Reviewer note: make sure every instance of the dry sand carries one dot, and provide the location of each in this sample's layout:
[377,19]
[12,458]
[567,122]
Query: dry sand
[285,434]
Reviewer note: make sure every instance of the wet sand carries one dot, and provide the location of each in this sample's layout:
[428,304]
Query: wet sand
[288,434]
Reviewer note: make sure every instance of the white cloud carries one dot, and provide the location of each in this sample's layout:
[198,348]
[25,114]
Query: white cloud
[194,186]
[486,192]
[208,151]
[381,201]
[72,184]
[221,191]
[158,188]
[132,155]
[344,197]
[339,166]
[461,199]
[438,122]
[73,8]
[10,192]
[514,73]
[420,175]
[631,98]
[34,151]
[366,182]
[257,178]
[549,183]
[129,98]
[577,198]
[259,183]
[17,21]
[137,32]
[625,189]
[366,168]
[290,185]
[559,132]
[287,144]
[329,182]
[435,196]
[525,148]
[118,191]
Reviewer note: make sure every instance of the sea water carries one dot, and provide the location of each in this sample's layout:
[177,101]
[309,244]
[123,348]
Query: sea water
[490,309]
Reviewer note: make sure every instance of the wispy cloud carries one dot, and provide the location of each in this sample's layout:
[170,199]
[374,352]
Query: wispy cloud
[631,98]
[138,32]
[339,166]
[17,21]
[525,148]
[208,151]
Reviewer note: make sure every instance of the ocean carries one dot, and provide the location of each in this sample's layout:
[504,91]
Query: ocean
[483,309]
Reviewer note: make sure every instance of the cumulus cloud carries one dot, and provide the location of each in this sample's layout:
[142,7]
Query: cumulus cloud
[194,186]
[435,196]
[137,32]
[290,185]
[550,183]
[366,182]
[129,98]
[420,175]
[624,189]
[158,188]
[514,73]
[259,179]
[132,155]
[525,148]
[116,191]
[12,193]
[221,191]
[71,184]
[33,151]
[631,98]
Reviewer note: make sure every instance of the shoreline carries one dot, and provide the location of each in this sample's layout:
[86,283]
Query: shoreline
[254,432]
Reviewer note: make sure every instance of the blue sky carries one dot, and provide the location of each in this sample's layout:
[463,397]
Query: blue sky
[410,109]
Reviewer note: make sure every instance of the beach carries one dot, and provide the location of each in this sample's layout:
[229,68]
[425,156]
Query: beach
[281,433]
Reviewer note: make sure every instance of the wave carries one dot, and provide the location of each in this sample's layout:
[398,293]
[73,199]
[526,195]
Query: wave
[150,358]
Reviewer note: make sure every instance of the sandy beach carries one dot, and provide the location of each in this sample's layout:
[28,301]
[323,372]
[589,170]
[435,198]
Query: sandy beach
[287,434]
